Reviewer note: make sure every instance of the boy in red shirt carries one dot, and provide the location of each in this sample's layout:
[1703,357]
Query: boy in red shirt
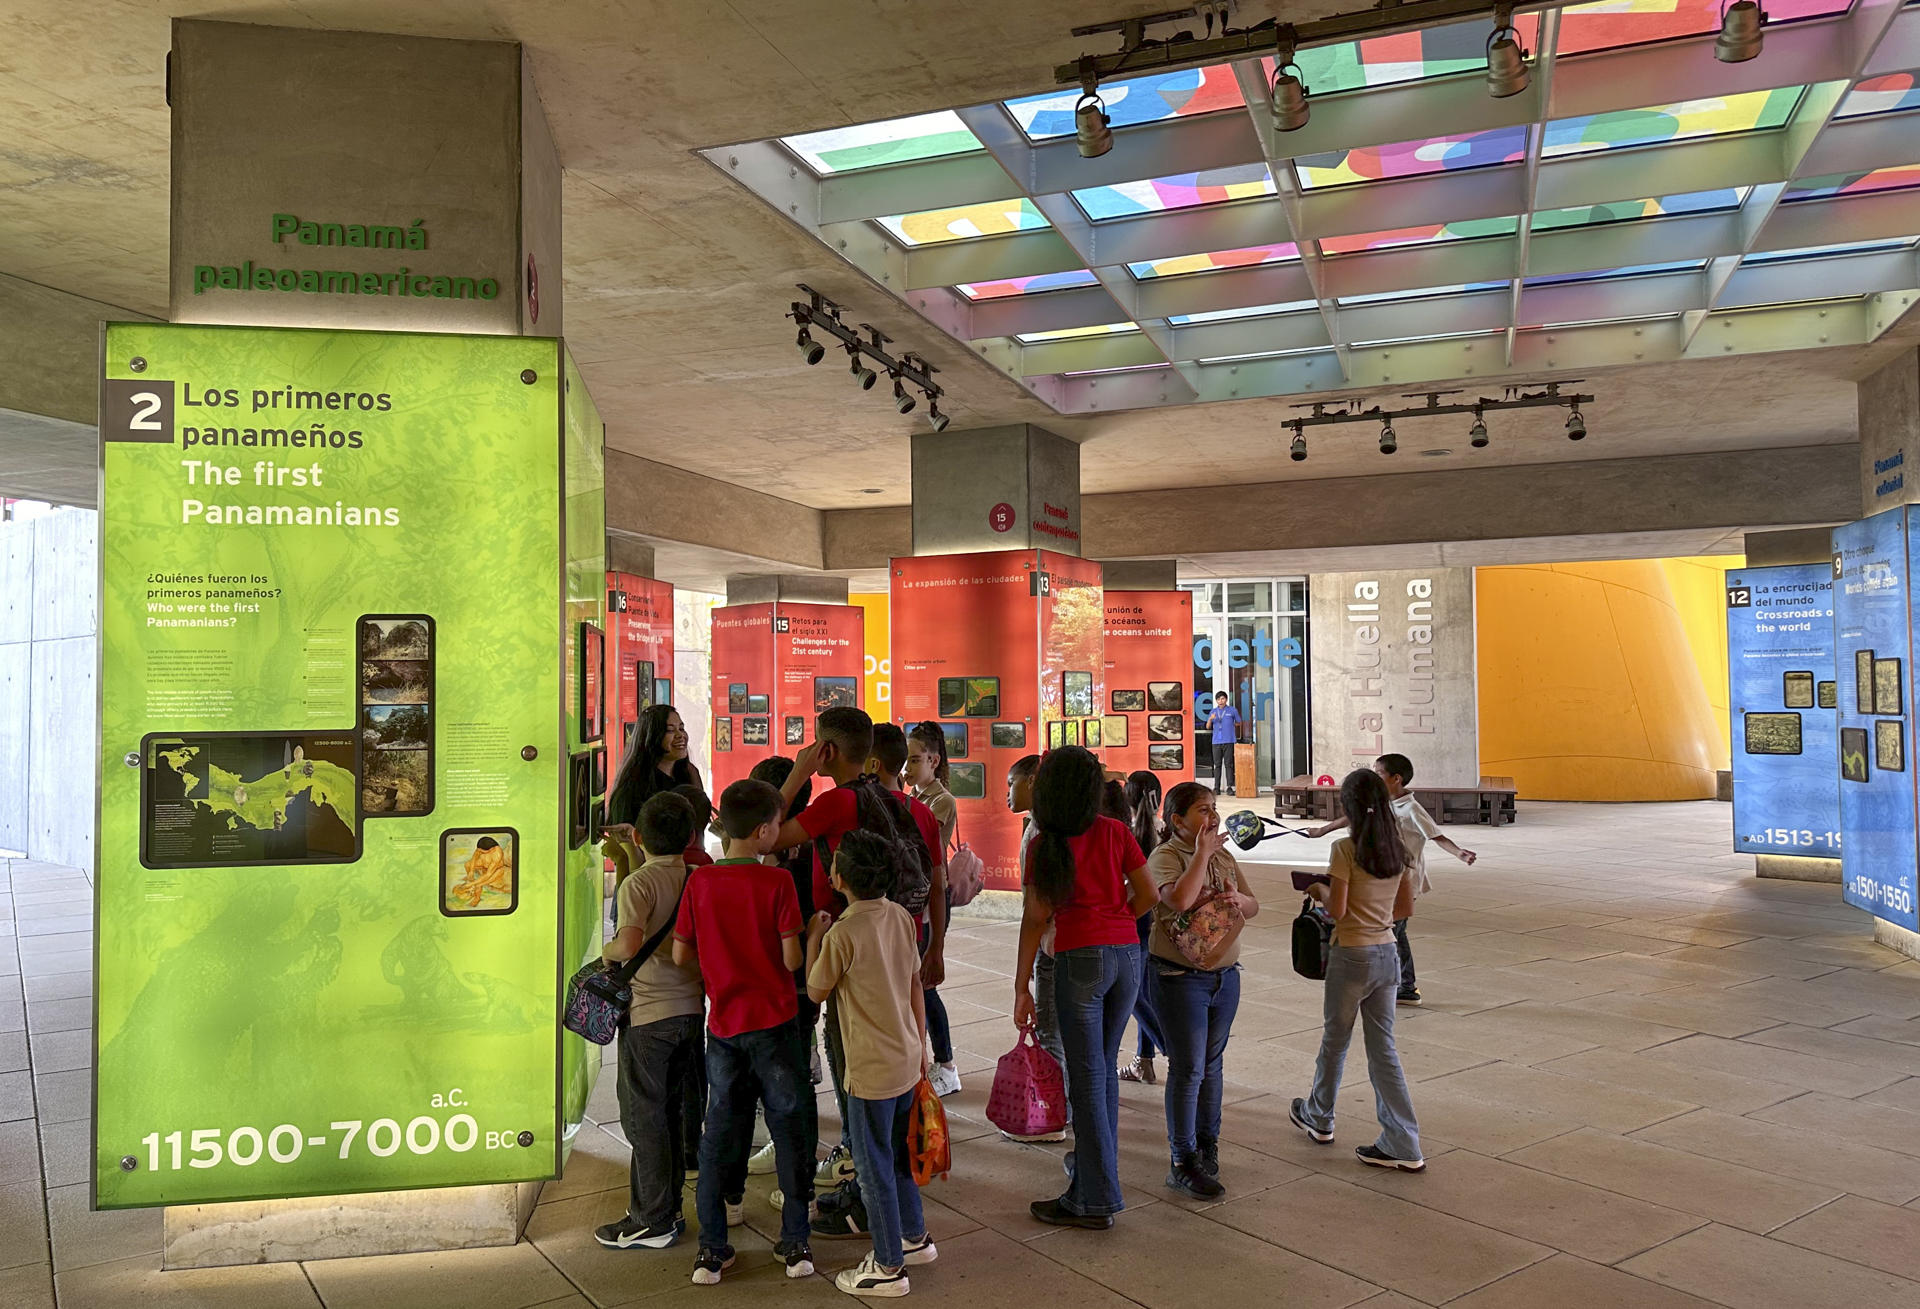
[740,926]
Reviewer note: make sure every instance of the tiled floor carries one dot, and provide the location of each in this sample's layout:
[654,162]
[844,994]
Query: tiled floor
[1644,1079]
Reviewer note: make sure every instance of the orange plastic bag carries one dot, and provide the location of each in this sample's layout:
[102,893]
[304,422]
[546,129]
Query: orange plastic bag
[927,1139]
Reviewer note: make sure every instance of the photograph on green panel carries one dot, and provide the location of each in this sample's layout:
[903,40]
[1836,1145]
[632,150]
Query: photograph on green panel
[396,681]
[395,638]
[395,726]
[221,798]
[835,693]
[479,871]
[394,782]
[1772,733]
[593,700]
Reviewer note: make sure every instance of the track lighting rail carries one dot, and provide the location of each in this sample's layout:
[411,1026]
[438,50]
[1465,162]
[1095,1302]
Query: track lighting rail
[864,340]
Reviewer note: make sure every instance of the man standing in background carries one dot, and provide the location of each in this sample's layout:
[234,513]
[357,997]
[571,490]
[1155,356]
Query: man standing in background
[1224,723]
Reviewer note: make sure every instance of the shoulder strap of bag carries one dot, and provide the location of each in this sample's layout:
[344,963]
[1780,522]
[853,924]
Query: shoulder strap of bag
[623,974]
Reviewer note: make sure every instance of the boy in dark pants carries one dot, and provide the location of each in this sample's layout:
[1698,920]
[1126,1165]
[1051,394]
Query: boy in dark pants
[870,963]
[662,1036]
[740,921]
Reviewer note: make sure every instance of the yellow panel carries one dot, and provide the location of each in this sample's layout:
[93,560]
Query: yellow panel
[1590,688]
[877,685]
[1699,595]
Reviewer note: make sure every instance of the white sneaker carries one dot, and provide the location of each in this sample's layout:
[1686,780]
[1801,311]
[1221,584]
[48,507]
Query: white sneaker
[760,1163]
[778,1199]
[1045,1138]
[835,1168]
[736,1212]
[921,1251]
[868,1278]
[945,1079]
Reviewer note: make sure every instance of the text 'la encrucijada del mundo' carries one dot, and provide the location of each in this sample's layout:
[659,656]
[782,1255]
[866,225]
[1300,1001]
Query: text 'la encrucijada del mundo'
[220,493]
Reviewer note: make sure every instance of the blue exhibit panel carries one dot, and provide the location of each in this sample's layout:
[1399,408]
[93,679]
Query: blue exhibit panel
[1873,653]
[1783,696]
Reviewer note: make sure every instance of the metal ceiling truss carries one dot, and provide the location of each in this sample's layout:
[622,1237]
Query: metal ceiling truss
[1516,326]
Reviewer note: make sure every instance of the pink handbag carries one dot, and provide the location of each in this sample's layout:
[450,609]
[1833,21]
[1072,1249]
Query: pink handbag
[1029,1094]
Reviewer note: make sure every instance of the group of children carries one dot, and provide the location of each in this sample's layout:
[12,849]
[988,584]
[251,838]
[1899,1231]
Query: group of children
[838,901]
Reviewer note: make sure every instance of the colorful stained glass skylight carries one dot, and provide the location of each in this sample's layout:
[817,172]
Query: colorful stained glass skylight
[1881,95]
[1404,56]
[1694,202]
[1025,285]
[1247,257]
[1466,229]
[1880,179]
[896,141]
[936,225]
[1250,311]
[1611,24]
[1412,158]
[1182,191]
[1133,101]
[1076,333]
[1684,120]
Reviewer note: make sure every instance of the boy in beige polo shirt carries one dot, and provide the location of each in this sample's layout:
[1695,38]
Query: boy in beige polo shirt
[869,961]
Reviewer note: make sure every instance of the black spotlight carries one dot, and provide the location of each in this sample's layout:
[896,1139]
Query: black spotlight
[1299,451]
[902,402]
[1477,434]
[810,349]
[1576,426]
[863,374]
[935,418]
[1388,441]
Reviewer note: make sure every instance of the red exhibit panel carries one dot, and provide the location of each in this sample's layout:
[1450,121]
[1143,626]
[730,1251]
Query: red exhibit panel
[971,636]
[774,667]
[639,653]
[1147,720]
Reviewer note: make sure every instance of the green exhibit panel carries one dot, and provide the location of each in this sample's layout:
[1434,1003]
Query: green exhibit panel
[348,582]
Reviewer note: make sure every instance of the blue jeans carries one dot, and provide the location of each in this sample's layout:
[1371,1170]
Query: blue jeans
[1365,980]
[1196,1016]
[886,1173]
[1094,989]
[772,1061]
[1146,1021]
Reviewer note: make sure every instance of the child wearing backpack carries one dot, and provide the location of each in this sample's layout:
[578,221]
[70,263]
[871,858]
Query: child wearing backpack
[869,962]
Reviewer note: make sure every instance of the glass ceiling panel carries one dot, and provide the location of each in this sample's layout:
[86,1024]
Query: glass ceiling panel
[1133,101]
[1251,311]
[869,145]
[1611,24]
[1625,270]
[1682,121]
[1182,191]
[1694,202]
[1403,57]
[935,225]
[1880,179]
[1411,158]
[1817,251]
[1465,230]
[1246,257]
[1347,301]
[1881,95]
[1074,333]
[1025,285]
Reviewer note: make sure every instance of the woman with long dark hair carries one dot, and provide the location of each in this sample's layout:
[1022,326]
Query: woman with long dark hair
[1367,892]
[1142,799]
[1086,877]
[1195,1000]
[656,761]
[927,773]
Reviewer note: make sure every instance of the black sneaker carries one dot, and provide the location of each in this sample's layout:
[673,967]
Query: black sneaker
[841,1215]
[1409,996]
[1297,1115]
[1373,1154]
[711,1263]
[1190,1179]
[630,1232]
[798,1257]
[1209,1157]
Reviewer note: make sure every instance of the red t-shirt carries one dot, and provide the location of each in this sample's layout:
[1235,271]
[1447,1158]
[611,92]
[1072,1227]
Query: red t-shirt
[1097,913]
[735,914]
[835,814]
[695,857]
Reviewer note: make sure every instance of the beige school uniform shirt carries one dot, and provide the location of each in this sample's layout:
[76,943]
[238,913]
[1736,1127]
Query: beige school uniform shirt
[646,900]
[1369,916]
[945,813]
[1167,865]
[870,960]
[1416,829]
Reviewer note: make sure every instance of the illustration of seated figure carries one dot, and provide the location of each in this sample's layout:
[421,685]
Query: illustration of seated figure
[485,870]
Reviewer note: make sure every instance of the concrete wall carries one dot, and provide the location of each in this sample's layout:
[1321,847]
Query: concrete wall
[49,711]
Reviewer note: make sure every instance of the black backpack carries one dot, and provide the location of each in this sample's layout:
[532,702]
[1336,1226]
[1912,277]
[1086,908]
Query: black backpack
[887,814]
[1312,935]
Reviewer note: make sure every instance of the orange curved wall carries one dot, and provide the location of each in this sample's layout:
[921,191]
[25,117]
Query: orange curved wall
[1594,678]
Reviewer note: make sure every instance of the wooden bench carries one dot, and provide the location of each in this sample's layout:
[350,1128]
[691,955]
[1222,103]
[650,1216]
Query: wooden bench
[1491,803]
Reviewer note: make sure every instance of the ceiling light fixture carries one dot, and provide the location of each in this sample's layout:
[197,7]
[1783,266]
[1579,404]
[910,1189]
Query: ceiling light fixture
[810,349]
[937,420]
[902,402]
[1741,34]
[1355,409]
[1388,441]
[865,343]
[1299,452]
[1288,95]
[1092,129]
[1507,72]
[1477,434]
[862,374]
[1576,425]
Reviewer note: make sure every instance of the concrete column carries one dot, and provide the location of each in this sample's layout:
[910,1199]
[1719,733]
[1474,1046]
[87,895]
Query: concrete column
[1392,671]
[311,168]
[995,488]
[626,555]
[1141,574]
[796,588]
